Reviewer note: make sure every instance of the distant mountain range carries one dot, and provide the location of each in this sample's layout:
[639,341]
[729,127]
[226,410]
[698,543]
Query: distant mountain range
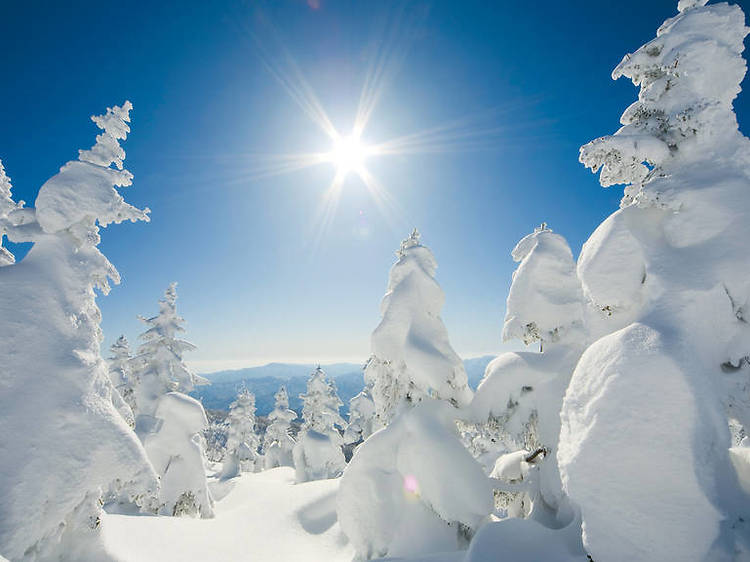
[265,380]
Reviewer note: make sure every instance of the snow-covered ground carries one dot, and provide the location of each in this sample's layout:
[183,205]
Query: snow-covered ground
[261,516]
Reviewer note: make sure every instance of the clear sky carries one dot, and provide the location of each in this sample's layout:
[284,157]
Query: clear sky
[510,90]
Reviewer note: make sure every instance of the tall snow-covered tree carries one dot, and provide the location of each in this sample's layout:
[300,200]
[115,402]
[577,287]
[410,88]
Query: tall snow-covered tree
[412,357]
[519,399]
[74,442]
[398,479]
[361,418]
[242,439]
[159,364]
[167,421]
[673,369]
[277,441]
[318,453]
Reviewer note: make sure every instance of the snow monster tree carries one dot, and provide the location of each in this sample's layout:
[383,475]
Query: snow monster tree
[644,441]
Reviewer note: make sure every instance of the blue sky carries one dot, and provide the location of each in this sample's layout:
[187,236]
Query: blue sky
[258,281]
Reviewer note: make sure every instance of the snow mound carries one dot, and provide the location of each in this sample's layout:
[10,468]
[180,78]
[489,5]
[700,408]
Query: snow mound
[410,484]
[264,517]
[639,483]
[525,540]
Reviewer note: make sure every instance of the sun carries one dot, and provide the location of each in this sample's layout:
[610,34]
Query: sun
[348,154]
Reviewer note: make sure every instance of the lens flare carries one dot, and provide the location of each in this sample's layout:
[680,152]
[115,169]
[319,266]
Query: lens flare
[411,485]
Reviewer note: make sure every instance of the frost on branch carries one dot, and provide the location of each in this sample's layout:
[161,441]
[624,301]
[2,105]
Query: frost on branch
[689,75]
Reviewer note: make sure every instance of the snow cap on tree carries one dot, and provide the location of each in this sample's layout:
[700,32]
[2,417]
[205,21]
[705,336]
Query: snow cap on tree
[412,355]
[84,189]
[689,75]
[545,299]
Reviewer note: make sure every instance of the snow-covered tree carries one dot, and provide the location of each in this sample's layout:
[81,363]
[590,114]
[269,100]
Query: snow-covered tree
[517,404]
[68,441]
[361,418]
[318,454]
[120,373]
[412,357]
[174,443]
[7,206]
[242,439]
[413,478]
[159,365]
[672,370]
[545,301]
[277,442]
[176,452]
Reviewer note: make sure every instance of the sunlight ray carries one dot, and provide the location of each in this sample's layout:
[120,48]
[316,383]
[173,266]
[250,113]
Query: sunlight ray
[326,211]
[287,73]
[390,210]
[388,50]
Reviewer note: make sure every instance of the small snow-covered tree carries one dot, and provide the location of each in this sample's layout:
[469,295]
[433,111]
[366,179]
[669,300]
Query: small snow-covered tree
[412,357]
[120,374]
[176,452]
[318,453]
[361,418]
[242,439]
[74,443]
[277,441]
[7,206]
[517,404]
[545,298]
[159,365]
